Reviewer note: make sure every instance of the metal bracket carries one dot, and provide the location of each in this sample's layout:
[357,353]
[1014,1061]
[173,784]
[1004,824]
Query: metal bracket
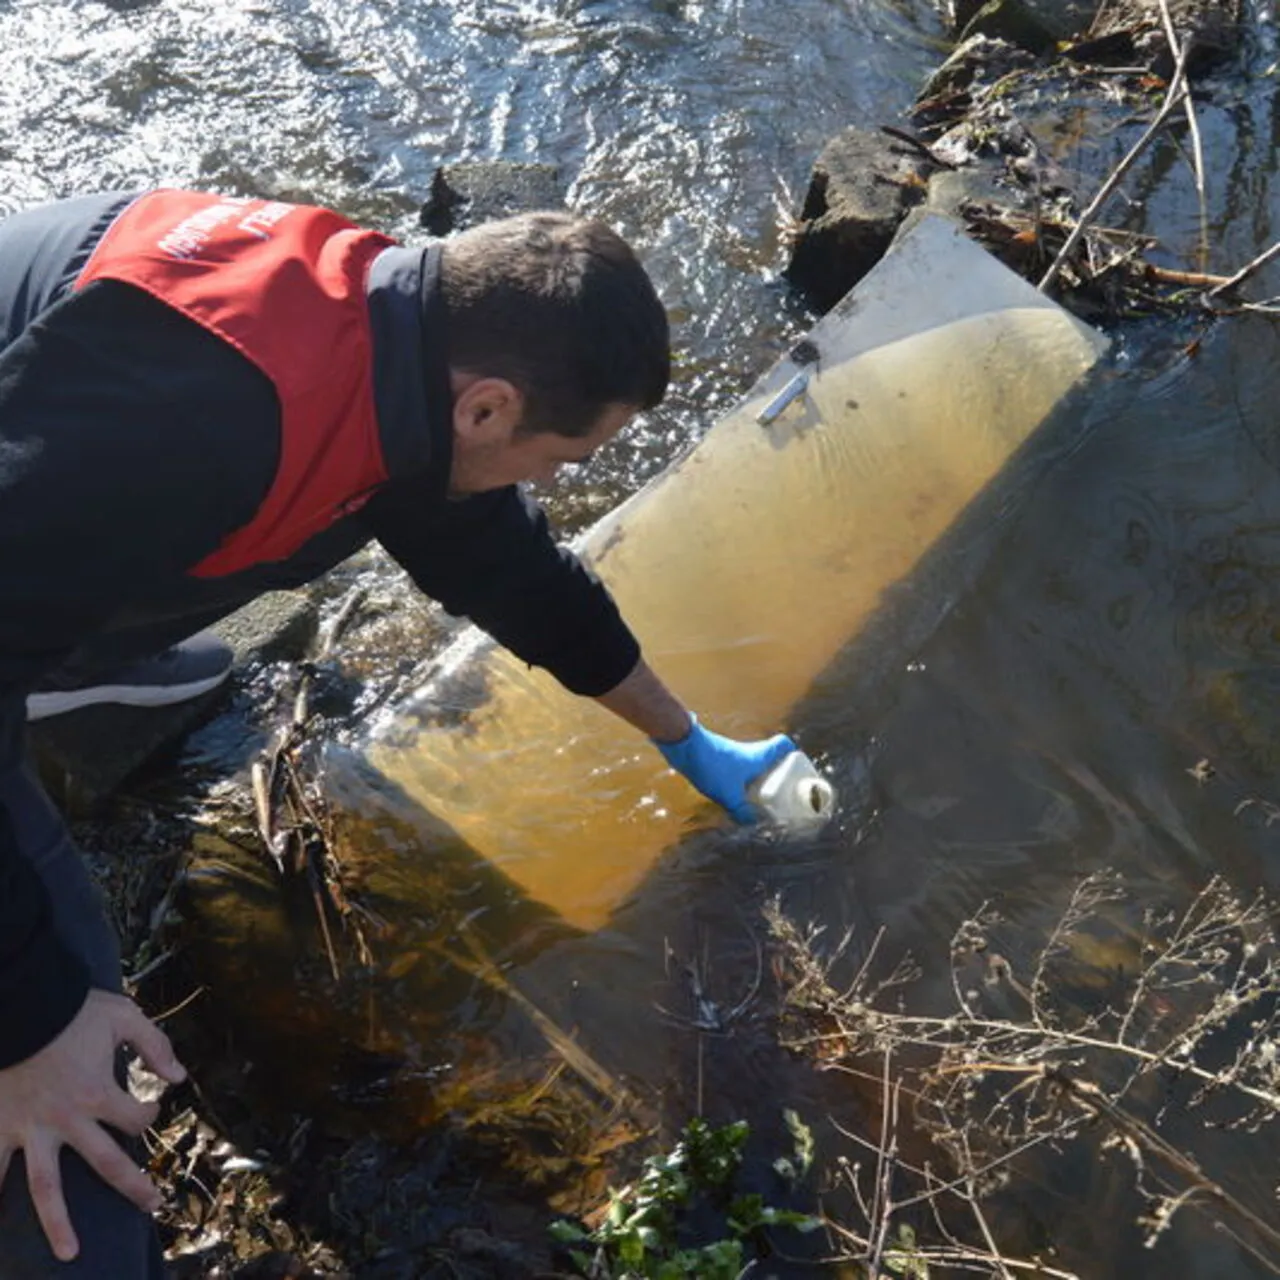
[791,391]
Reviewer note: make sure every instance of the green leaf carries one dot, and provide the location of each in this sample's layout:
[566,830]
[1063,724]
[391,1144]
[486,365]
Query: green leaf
[805,1222]
[802,1136]
[631,1250]
[746,1214]
[907,1261]
[636,1240]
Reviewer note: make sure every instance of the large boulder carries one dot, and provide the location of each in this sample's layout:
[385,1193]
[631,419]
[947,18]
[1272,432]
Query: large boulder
[862,187]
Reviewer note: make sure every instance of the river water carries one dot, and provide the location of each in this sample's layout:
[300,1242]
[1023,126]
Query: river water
[1122,630]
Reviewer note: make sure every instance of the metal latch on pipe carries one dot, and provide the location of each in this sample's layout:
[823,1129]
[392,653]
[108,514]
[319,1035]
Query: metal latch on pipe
[792,390]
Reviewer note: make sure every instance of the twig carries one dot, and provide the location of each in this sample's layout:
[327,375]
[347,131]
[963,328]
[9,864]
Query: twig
[480,966]
[910,1023]
[1252,268]
[1170,955]
[1190,279]
[1173,99]
[958,1256]
[133,979]
[318,898]
[354,599]
[1091,1097]
[1180,55]
[916,144]
[886,1153]
[981,1218]
[262,781]
[991,1165]
[178,1008]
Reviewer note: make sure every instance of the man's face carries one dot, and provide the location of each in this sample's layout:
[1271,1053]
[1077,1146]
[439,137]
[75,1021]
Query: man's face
[490,452]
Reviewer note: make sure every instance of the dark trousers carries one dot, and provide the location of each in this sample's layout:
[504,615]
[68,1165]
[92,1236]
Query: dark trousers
[117,1242]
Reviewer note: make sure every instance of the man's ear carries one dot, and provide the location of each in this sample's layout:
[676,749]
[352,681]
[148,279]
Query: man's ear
[486,411]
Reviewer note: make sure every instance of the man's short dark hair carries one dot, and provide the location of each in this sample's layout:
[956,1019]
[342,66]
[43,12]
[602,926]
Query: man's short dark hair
[561,308]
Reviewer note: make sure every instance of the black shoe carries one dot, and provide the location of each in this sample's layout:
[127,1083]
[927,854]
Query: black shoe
[187,670]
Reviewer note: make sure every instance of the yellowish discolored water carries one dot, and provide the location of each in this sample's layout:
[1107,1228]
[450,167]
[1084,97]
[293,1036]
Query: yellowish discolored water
[748,566]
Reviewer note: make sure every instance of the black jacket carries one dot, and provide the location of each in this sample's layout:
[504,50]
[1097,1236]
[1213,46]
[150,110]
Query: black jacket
[132,441]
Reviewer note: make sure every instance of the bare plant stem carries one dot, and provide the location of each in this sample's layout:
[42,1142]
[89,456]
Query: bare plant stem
[971,1198]
[1180,55]
[918,1022]
[959,1256]
[1252,268]
[988,1089]
[1092,1098]
[886,1154]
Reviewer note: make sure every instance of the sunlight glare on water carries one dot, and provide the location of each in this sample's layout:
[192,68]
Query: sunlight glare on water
[681,124]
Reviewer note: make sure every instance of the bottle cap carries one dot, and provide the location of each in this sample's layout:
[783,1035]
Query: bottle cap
[794,794]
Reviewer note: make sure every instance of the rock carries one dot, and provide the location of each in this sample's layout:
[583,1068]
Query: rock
[84,756]
[278,626]
[862,186]
[465,195]
[978,61]
[1018,22]
[1034,24]
[951,191]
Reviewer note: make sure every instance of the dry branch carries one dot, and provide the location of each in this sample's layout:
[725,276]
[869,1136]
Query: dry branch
[989,1088]
[1181,52]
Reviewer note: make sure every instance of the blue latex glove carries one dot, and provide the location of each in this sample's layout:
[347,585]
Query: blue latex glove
[723,769]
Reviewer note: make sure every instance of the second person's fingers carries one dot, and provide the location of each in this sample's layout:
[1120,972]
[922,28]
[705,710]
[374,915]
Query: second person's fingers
[151,1044]
[112,1164]
[121,1110]
[44,1180]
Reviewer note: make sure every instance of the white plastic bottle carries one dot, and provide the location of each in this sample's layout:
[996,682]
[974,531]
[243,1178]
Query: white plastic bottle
[794,795]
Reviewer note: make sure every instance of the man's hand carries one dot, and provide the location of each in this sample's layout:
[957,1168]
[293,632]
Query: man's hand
[723,769]
[63,1095]
[720,768]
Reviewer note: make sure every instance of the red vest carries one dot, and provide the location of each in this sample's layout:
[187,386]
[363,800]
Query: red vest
[285,285]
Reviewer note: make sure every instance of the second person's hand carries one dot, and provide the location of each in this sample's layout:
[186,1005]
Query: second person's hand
[63,1095]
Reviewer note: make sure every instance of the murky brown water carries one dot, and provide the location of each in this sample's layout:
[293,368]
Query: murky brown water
[1123,629]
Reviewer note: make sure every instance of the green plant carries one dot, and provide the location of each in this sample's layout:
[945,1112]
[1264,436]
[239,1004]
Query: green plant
[638,1237]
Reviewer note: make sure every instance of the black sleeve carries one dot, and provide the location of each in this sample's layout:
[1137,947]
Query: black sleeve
[131,442]
[492,558]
